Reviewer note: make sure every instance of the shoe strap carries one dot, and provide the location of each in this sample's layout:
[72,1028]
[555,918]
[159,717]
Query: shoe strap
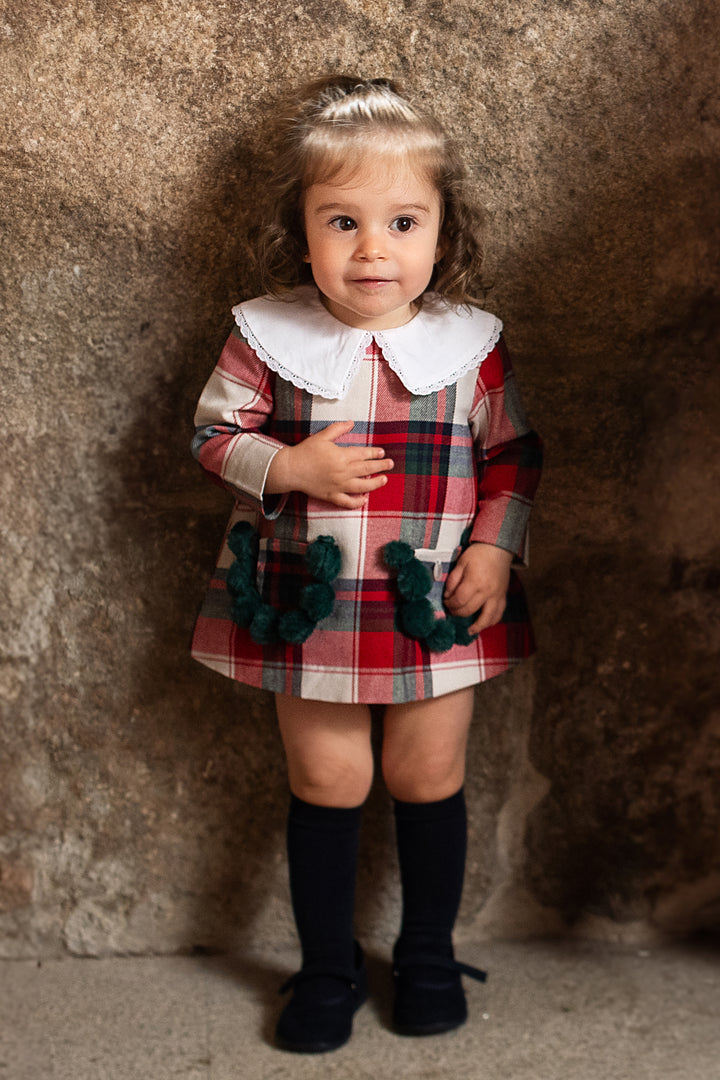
[446,963]
[314,971]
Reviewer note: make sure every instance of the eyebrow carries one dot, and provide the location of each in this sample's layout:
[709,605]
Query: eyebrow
[399,209]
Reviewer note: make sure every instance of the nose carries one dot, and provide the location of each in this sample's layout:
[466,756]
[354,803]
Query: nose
[370,245]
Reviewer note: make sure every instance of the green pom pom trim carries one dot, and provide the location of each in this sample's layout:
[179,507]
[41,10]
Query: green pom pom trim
[295,627]
[318,600]
[323,559]
[243,540]
[442,636]
[462,625]
[263,625]
[266,625]
[416,618]
[398,554]
[237,581]
[414,580]
[415,614]
[243,609]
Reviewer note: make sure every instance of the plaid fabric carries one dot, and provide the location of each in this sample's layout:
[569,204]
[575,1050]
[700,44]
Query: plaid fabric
[463,456]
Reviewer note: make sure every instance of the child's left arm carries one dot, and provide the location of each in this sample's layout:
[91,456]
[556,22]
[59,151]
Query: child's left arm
[509,461]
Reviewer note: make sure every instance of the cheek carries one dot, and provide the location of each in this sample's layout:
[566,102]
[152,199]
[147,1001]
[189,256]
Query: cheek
[325,253]
[313,246]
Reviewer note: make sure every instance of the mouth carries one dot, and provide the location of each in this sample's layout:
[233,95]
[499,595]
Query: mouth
[372,281]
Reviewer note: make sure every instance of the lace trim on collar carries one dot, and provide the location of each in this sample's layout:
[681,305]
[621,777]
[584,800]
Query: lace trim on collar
[447,378]
[305,345]
[301,381]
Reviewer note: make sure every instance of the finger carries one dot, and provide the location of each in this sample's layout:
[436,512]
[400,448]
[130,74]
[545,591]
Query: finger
[365,453]
[479,625]
[372,483]
[370,466]
[366,483]
[453,580]
[465,597]
[355,493]
[348,502]
[466,607]
[336,429]
[491,613]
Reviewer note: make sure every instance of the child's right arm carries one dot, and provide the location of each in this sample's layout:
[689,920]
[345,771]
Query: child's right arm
[317,466]
[231,442]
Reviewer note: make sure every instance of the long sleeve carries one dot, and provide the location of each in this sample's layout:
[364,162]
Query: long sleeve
[233,410]
[508,457]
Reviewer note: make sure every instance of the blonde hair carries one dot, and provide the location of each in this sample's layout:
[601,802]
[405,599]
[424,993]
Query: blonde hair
[336,122]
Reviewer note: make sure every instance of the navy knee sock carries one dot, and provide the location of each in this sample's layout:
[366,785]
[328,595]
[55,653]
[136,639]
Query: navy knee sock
[432,844]
[322,845]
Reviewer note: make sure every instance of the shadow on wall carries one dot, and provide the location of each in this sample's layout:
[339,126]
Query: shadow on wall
[627,715]
[623,304]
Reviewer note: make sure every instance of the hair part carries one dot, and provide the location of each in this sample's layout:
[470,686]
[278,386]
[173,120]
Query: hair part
[336,124]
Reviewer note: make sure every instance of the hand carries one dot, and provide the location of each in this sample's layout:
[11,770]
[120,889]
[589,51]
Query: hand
[343,475]
[479,579]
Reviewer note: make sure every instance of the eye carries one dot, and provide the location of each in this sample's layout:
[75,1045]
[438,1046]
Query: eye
[343,224]
[403,224]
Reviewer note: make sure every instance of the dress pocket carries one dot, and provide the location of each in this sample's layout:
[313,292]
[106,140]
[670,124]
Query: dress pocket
[281,589]
[281,572]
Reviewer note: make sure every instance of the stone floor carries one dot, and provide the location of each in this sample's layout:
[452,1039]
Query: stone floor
[550,1011]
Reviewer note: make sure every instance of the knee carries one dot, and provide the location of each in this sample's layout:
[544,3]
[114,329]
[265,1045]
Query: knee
[423,779]
[331,779]
[328,751]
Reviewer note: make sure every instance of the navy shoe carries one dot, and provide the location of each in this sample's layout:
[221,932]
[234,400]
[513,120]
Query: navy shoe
[429,997]
[319,1015]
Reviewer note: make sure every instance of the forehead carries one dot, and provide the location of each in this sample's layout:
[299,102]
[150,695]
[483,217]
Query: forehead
[380,176]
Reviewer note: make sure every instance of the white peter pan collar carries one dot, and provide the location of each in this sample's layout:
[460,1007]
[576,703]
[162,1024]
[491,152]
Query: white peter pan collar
[303,343]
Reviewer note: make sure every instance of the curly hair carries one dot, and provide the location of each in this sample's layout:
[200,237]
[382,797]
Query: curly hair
[336,121]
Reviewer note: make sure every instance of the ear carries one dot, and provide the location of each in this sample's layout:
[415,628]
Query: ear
[442,246]
[306,257]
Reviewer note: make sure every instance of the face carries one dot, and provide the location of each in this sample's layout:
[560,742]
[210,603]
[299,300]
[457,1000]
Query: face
[372,243]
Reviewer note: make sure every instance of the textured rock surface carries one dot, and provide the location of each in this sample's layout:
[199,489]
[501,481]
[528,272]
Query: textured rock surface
[143,797]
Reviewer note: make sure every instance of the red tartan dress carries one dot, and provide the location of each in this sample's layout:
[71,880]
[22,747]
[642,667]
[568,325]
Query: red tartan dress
[439,396]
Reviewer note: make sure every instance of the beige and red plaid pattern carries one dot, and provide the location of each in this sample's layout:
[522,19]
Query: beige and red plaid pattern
[464,456]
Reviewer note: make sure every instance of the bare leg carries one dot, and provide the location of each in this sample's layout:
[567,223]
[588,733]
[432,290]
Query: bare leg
[328,750]
[424,746]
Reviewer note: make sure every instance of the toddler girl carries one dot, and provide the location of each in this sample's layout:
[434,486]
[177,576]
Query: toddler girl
[365,416]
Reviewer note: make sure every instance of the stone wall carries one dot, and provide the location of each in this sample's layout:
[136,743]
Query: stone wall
[144,797]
